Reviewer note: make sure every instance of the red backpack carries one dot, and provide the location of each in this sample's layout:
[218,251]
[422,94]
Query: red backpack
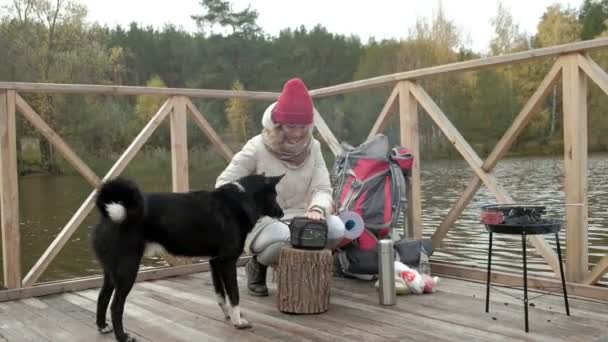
[371,181]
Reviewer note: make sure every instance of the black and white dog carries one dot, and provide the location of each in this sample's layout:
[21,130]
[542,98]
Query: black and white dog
[199,223]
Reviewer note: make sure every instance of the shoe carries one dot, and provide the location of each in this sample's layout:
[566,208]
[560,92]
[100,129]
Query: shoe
[256,278]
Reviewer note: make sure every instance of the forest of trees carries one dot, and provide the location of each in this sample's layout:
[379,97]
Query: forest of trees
[52,41]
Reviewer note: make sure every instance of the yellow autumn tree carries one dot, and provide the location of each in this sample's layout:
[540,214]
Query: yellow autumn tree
[558,25]
[147,105]
[145,108]
[237,113]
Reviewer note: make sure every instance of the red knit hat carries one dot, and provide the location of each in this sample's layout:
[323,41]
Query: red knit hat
[294,106]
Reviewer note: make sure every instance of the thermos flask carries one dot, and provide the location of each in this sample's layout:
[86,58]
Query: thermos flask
[386,262]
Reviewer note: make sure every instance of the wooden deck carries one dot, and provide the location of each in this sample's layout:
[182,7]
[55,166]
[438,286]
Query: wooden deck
[184,309]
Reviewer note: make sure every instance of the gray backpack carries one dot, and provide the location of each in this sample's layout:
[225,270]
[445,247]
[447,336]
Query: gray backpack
[371,180]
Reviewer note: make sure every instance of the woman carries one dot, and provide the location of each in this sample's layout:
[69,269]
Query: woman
[285,146]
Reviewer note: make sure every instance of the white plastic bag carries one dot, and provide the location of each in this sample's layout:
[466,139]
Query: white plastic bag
[411,277]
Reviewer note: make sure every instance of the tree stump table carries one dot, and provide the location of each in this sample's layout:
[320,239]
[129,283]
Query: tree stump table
[304,280]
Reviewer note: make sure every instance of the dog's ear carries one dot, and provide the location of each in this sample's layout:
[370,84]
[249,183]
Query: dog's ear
[273,181]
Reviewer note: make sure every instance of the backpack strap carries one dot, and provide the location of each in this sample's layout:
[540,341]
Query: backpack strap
[398,193]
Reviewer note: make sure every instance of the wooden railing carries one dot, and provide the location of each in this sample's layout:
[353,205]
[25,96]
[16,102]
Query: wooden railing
[572,65]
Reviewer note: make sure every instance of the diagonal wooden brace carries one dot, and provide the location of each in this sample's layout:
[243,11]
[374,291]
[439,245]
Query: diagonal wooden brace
[482,169]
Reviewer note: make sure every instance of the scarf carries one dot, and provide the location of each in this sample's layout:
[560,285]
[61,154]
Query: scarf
[292,155]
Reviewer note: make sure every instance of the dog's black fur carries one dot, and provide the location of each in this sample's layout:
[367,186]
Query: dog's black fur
[201,223]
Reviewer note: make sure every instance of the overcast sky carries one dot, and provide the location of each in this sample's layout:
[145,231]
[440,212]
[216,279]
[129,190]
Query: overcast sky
[377,18]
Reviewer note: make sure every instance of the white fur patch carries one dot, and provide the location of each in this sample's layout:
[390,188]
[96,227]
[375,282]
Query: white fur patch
[106,330]
[116,211]
[236,319]
[235,315]
[238,185]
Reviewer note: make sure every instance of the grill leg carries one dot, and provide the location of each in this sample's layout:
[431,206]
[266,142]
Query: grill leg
[523,250]
[561,272]
[489,272]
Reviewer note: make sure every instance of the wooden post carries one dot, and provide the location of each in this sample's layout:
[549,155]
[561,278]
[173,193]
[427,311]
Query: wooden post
[575,168]
[410,138]
[179,159]
[9,192]
[179,146]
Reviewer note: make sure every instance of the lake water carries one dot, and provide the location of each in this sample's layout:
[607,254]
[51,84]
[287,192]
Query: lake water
[47,203]
[527,180]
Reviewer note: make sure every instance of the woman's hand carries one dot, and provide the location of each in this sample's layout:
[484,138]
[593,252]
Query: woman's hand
[314,215]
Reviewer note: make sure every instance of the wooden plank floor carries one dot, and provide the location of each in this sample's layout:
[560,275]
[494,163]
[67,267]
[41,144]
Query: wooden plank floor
[184,309]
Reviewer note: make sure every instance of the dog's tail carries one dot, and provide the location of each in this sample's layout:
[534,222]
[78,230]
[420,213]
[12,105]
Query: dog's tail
[121,201]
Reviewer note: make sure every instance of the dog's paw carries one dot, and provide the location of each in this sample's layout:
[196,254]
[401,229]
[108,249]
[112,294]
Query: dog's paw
[105,329]
[227,315]
[242,324]
[127,338]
